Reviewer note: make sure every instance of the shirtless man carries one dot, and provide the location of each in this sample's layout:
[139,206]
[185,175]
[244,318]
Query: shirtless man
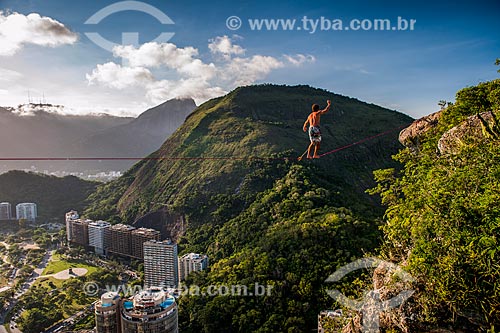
[314,132]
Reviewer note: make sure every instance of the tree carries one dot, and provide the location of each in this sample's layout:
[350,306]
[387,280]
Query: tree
[442,104]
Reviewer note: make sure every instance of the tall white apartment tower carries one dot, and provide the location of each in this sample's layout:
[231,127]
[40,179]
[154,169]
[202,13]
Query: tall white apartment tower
[192,262]
[27,211]
[96,235]
[161,264]
[5,211]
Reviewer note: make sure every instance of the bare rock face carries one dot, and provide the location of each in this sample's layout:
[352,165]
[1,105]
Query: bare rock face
[409,137]
[476,128]
[387,310]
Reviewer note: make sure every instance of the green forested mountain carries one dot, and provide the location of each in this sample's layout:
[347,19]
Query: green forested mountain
[54,196]
[277,221]
[443,217]
[251,122]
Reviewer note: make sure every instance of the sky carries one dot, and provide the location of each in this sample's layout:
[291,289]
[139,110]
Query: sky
[122,57]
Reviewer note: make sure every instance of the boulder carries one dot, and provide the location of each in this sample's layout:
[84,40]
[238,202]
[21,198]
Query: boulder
[477,128]
[410,136]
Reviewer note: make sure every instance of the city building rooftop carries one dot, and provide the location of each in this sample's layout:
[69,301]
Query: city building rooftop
[100,224]
[166,241]
[122,227]
[145,231]
[109,298]
[194,256]
[149,299]
[86,221]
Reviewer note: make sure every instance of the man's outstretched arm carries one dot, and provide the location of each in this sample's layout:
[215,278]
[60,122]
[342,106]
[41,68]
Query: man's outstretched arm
[328,104]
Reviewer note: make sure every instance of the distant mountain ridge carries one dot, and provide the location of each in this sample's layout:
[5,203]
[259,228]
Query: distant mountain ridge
[41,131]
[141,135]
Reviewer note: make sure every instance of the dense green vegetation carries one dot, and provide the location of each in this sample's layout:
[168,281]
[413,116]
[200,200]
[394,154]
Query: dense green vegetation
[54,196]
[443,219]
[291,238]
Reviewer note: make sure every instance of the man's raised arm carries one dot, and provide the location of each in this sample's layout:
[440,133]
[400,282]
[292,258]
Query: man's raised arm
[328,104]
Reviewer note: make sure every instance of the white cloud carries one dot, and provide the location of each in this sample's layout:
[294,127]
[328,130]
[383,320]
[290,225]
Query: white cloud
[182,60]
[244,71]
[224,46]
[189,75]
[116,76]
[191,87]
[18,29]
[9,75]
[299,59]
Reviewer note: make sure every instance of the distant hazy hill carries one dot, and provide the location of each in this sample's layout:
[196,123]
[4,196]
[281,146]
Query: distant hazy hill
[41,133]
[142,135]
[44,133]
[54,196]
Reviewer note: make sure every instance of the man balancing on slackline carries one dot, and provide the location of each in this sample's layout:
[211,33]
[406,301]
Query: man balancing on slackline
[314,132]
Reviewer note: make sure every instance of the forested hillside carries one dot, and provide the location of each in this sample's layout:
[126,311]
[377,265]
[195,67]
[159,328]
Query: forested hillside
[54,196]
[443,218]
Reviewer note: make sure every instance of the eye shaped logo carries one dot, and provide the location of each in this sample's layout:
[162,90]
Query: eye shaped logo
[128,38]
[371,306]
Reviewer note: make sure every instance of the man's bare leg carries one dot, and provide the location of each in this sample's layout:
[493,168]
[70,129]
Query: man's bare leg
[316,148]
[309,150]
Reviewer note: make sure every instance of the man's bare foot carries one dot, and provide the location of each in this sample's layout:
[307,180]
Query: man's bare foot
[309,156]
[316,156]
